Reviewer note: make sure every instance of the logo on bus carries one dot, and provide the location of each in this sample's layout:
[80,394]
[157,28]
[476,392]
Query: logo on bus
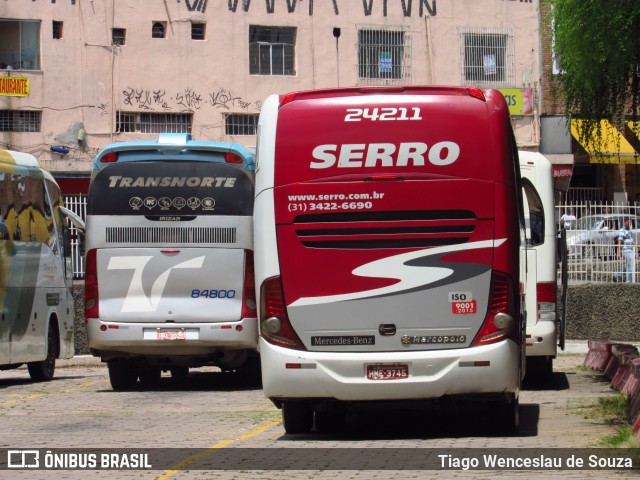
[357,155]
[137,299]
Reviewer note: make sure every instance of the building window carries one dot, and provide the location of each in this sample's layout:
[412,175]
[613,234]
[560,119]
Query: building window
[198,30]
[19,121]
[143,122]
[272,50]
[556,67]
[384,55]
[118,36]
[487,57]
[56,28]
[241,123]
[19,45]
[158,29]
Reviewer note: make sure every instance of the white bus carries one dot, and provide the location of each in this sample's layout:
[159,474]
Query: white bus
[169,265]
[389,247]
[545,331]
[37,324]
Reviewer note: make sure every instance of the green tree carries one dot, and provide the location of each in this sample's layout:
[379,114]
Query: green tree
[599,47]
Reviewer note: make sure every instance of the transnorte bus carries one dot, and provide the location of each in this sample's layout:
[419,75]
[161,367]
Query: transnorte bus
[169,282]
[545,329]
[389,251]
[36,275]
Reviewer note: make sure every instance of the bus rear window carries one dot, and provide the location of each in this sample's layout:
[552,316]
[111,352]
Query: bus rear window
[171,188]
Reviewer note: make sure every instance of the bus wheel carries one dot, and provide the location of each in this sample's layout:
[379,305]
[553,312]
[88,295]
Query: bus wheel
[149,376]
[179,372]
[43,371]
[122,374]
[297,416]
[330,422]
[540,369]
[505,415]
[251,371]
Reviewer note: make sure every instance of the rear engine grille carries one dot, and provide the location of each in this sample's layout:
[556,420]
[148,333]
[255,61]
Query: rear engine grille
[171,235]
[401,229]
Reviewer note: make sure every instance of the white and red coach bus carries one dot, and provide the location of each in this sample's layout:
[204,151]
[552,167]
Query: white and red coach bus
[389,250]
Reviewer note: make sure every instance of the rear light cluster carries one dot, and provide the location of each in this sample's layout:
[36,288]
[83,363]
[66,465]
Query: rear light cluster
[233,158]
[546,296]
[500,321]
[476,93]
[275,327]
[109,157]
[288,98]
[249,290]
[91,287]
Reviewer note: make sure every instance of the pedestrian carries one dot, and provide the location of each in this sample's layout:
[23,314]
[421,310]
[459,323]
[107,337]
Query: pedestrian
[626,251]
[567,219]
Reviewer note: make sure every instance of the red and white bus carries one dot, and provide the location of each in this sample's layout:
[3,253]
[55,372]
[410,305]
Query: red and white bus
[389,250]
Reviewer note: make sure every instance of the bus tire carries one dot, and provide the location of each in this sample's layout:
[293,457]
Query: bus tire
[251,371]
[149,376]
[505,415]
[122,374]
[540,369]
[179,373]
[297,416]
[330,422]
[44,370]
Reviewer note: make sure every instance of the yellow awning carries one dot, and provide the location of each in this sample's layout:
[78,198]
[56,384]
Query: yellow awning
[612,147]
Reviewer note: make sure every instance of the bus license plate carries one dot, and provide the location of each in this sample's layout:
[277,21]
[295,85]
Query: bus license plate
[387,372]
[172,335]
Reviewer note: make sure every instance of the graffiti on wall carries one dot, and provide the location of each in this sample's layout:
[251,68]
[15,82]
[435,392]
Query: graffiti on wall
[196,5]
[189,99]
[425,7]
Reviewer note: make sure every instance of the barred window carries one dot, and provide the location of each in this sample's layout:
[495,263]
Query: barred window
[272,50]
[158,29]
[145,122]
[118,36]
[19,45]
[19,121]
[56,28]
[198,30]
[241,123]
[384,54]
[487,57]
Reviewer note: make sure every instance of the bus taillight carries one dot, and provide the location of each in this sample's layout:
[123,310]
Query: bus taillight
[546,300]
[476,93]
[275,327]
[110,157]
[500,321]
[91,287]
[233,158]
[249,290]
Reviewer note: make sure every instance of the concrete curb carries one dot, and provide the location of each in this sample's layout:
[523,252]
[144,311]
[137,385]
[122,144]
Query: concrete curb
[620,363]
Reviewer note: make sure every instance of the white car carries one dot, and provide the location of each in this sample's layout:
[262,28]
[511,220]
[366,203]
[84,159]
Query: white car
[596,235]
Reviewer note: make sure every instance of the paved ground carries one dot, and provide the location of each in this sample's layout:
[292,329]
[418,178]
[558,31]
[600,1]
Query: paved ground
[215,413]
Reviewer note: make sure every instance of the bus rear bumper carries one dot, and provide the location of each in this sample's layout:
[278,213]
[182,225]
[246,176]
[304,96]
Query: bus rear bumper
[293,374]
[171,339]
[542,339]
